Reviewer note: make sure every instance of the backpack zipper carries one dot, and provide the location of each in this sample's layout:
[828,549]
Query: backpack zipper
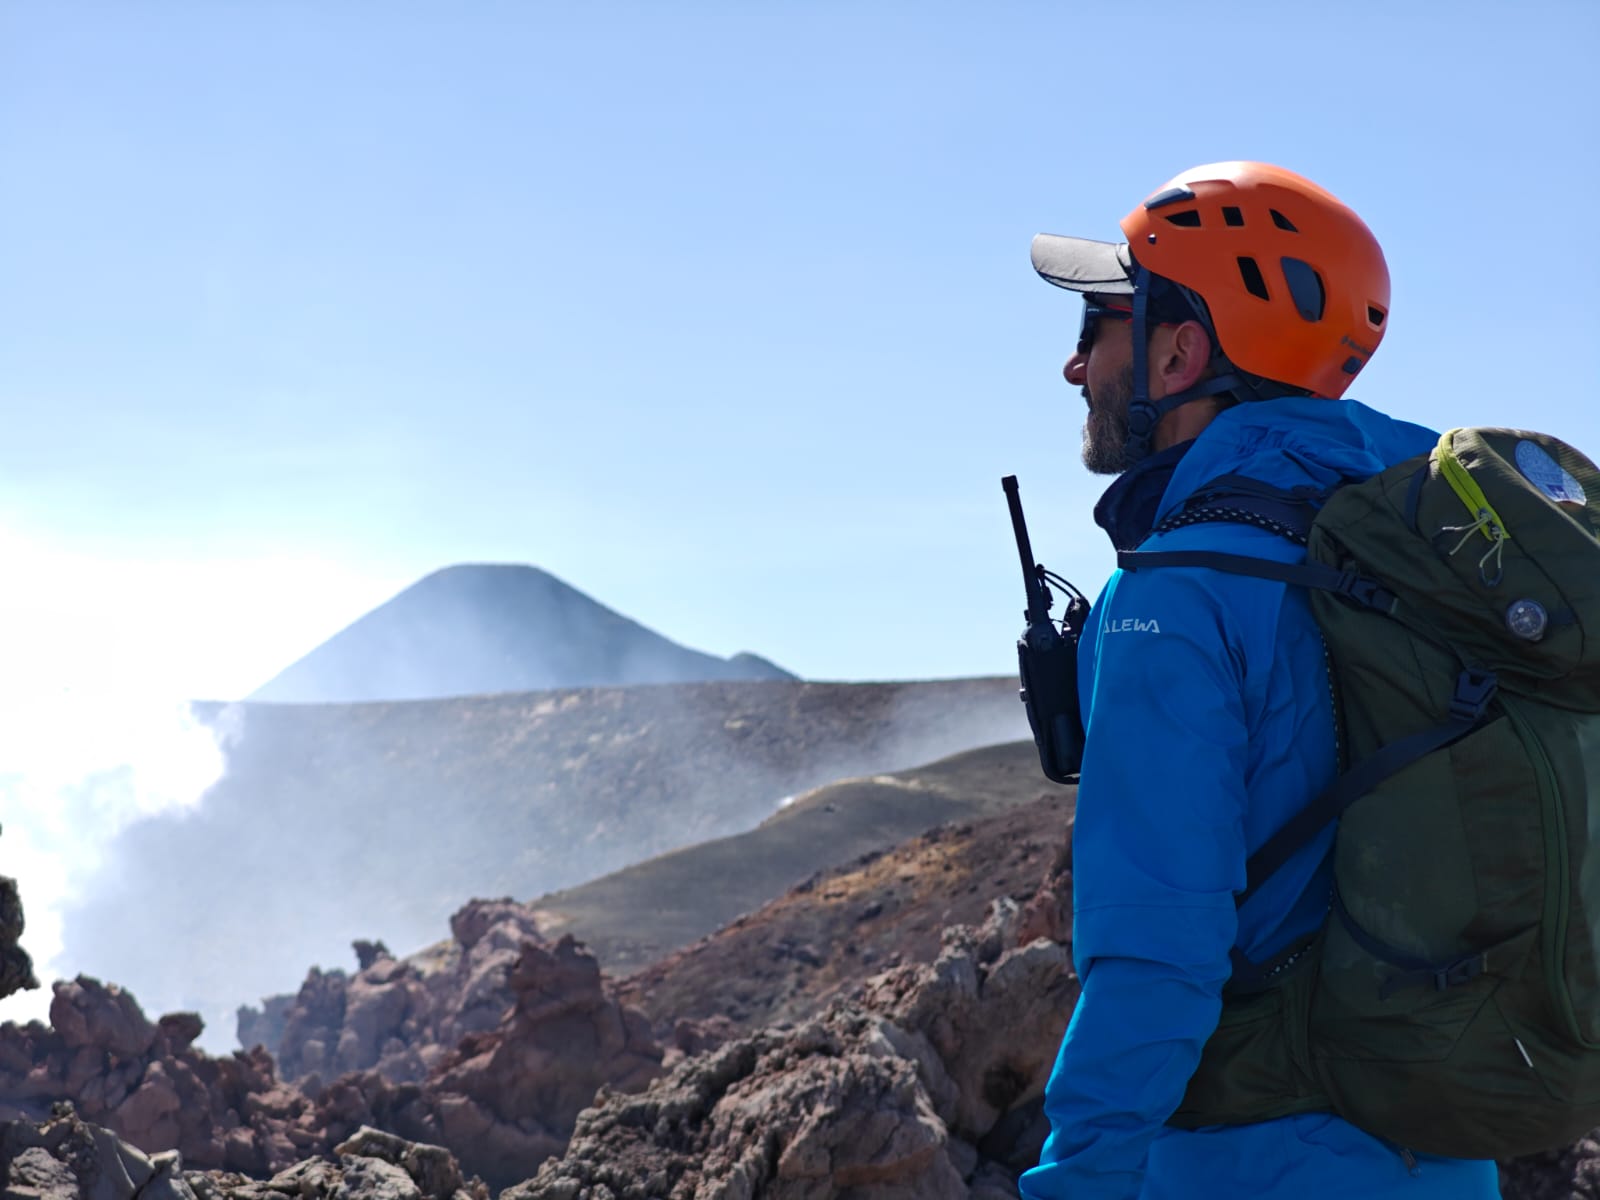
[1557,880]
[1468,492]
[1341,756]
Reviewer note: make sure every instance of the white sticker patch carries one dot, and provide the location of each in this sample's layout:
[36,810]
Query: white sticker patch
[1549,476]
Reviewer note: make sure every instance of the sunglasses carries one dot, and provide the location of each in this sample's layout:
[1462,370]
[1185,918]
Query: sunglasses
[1094,313]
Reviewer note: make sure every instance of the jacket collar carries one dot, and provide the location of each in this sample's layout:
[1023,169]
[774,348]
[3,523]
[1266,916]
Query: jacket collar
[1127,511]
[1288,442]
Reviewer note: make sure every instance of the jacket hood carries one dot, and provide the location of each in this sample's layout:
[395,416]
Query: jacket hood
[1292,441]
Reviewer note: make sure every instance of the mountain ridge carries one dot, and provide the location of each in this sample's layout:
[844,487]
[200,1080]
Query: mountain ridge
[476,629]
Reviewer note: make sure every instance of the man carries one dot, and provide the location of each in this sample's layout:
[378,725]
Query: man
[1214,342]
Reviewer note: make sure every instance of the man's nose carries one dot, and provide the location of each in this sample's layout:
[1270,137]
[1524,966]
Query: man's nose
[1076,372]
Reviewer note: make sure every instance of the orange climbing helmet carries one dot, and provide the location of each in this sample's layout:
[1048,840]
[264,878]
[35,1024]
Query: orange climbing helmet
[1295,284]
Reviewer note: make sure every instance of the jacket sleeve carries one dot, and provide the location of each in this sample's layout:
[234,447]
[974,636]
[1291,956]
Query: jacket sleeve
[1158,852]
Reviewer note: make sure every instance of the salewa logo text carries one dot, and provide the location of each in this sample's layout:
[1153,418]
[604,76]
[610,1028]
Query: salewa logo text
[1133,625]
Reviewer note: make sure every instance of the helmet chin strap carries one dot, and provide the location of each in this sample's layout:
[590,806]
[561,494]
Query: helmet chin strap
[1144,414]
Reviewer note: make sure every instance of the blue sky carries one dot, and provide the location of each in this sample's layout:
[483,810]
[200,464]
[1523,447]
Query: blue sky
[721,312]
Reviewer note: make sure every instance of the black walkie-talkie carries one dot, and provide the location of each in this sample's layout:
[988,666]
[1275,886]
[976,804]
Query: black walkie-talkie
[1047,657]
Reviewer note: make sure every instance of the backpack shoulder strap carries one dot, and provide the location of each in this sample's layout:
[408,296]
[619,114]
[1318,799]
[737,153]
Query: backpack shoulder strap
[1290,514]
[1287,512]
[1474,689]
[1238,499]
[1358,589]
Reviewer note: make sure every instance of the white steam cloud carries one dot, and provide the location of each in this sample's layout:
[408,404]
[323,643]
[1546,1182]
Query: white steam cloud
[64,798]
[98,662]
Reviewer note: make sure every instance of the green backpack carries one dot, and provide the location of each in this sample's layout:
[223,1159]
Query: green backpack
[1451,1003]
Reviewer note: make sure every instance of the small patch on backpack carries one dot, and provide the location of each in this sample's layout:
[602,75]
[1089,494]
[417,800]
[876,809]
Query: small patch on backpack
[1549,476]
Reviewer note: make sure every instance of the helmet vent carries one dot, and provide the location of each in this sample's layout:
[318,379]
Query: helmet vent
[1186,220]
[1171,196]
[1375,316]
[1351,365]
[1282,222]
[1231,215]
[1254,283]
[1305,288]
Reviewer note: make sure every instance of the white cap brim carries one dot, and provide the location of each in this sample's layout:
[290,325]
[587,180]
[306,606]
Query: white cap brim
[1083,265]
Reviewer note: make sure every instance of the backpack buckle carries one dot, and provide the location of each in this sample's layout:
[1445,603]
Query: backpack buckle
[1369,593]
[1475,687]
[1463,970]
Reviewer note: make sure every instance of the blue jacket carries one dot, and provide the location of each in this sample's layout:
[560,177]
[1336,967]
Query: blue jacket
[1206,702]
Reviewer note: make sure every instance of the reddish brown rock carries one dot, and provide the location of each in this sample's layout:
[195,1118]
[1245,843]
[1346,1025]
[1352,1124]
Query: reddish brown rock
[143,1080]
[507,1100]
[471,924]
[491,1043]
[927,1086]
[809,1113]
[399,1017]
[1048,913]
[312,1024]
[993,1013]
[534,1031]
[87,1013]
[690,1038]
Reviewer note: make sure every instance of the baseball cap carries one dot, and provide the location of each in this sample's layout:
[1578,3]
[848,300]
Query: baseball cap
[1084,265]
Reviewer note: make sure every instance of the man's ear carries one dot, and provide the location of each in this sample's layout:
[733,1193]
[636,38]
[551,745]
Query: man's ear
[1188,355]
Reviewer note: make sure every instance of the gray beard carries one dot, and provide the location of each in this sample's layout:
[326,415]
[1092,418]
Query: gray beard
[1105,429]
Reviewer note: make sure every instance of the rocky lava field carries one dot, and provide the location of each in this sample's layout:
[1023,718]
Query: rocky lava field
[882,1029]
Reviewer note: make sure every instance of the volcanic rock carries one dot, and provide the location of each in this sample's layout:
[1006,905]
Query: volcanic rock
[506,1100]
[991,1012]
[66,1158]
[821,940]
[1571,1173]
[890,1096]
[400,1017]
[144,1081]
[85,1013]
[16,968]
[811,1113]
[504,1039]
